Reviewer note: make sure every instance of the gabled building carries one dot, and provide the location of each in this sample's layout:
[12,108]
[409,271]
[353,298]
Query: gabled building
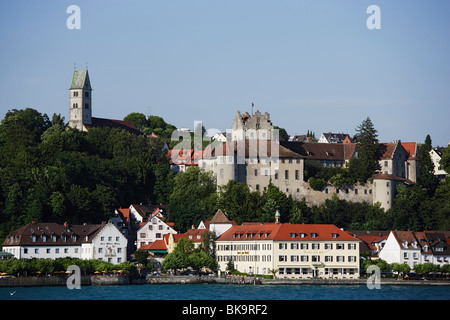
[51,240]
[153,230]
[218,224]
[417,247]
[334,138]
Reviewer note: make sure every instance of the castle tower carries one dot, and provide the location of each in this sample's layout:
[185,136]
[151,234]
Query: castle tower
[80,100]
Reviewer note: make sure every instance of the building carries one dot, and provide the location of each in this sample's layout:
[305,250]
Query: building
[399,159]
[255,126]
[154,229]
[51,240]
[218,224]
[295,250]
[417,247]
[80,107]
[436,155]
[334,138]
[384,189]
[371,241]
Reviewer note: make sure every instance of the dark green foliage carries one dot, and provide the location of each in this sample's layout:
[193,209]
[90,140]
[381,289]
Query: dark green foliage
[52,173]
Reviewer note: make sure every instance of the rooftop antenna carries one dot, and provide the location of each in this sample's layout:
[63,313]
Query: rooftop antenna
[86,65]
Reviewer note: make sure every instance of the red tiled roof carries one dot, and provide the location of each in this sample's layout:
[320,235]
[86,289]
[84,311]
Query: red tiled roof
[286,232]
[410,148]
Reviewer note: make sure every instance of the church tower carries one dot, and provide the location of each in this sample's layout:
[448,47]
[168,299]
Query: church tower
[80,100]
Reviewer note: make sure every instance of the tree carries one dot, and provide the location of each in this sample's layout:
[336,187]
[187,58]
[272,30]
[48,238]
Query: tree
[141,257]
[445,159]
[367,161]
[138,119]
[426,178]
[193,197]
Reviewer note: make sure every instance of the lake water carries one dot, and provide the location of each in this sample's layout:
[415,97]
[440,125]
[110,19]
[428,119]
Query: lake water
[228,292]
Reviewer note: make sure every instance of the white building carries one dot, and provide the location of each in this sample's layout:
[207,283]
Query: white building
[295,250]
[416,248]
[154,229]
[52,240]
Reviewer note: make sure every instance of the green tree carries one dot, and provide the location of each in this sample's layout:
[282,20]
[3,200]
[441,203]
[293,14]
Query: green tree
[426,177]
[193,198]
[367,162]
[141,257]
[138,119]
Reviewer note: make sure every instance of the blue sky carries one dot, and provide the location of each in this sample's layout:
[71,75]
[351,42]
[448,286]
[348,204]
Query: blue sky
[313,65]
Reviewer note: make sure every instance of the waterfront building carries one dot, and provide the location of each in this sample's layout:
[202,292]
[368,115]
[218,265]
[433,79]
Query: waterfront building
[295,250]
[51,240]
[417,247]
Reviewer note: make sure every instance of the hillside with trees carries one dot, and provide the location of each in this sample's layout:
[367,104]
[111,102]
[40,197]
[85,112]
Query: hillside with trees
[49,172]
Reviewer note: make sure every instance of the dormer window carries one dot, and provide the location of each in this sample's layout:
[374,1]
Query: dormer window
[64,238]
[405,244]
[44,238]
[293,235]
[313,235]
[334,235]
[33,238]
[302,235]
[53,238]
[74,238]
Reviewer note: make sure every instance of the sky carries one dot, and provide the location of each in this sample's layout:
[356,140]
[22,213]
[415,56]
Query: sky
[313,65]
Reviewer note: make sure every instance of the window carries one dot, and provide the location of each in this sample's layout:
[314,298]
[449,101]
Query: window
[66,250]
[351,246]
[313,235]
[57,250]
[109,238]
[294,246]
[48,250]
[294,258]
[282,246]
[276,174]
[304,246]
[328,246]
[304,258]
[286,174]
[302,235]
[100,250]
[86,94]
[256,172]
[158,235]
[328,259]
[315,258]
[102,238]
[297,175]
[334,235]
[315,246]
[75,93]
[340,246]
[86,105]
[282,258]
[340,258]
[142,235]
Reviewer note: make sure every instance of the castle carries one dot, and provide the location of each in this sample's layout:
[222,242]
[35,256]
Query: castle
[254,155]
[80,107]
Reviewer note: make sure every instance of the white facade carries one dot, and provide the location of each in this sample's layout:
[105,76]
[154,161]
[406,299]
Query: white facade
[109,244]
[103,242]
[154,229]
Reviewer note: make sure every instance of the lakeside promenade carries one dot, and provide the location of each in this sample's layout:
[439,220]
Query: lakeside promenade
[41,281]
